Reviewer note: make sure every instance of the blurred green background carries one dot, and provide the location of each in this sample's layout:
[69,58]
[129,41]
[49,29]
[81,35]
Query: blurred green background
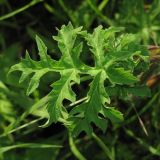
[21,138]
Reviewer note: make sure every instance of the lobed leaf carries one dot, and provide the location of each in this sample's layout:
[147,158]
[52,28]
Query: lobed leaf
[38,68]
[121,76]
[88,112]
[117,61]
[123,91]
[61,90]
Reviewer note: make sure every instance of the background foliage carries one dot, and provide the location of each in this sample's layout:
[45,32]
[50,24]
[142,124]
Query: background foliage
[20,116]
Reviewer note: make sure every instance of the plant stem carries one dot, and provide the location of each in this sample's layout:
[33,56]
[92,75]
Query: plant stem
[74,149]
[149,104]
[78,101]
[21,127]
[33,108]
[68,11]
[98,12]
[103,4]
[103,146]
[32,3]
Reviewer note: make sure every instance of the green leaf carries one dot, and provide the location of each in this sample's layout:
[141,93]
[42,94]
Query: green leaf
[42,51]
[114,115]
[117,60]
[123,91]
[66,40]
[121,76]
[97,41]
[34,82]
[141,91]
[38,68]
[61,90]
[87,112]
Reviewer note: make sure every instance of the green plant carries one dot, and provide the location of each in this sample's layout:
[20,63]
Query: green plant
[143,21]
[118,60]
